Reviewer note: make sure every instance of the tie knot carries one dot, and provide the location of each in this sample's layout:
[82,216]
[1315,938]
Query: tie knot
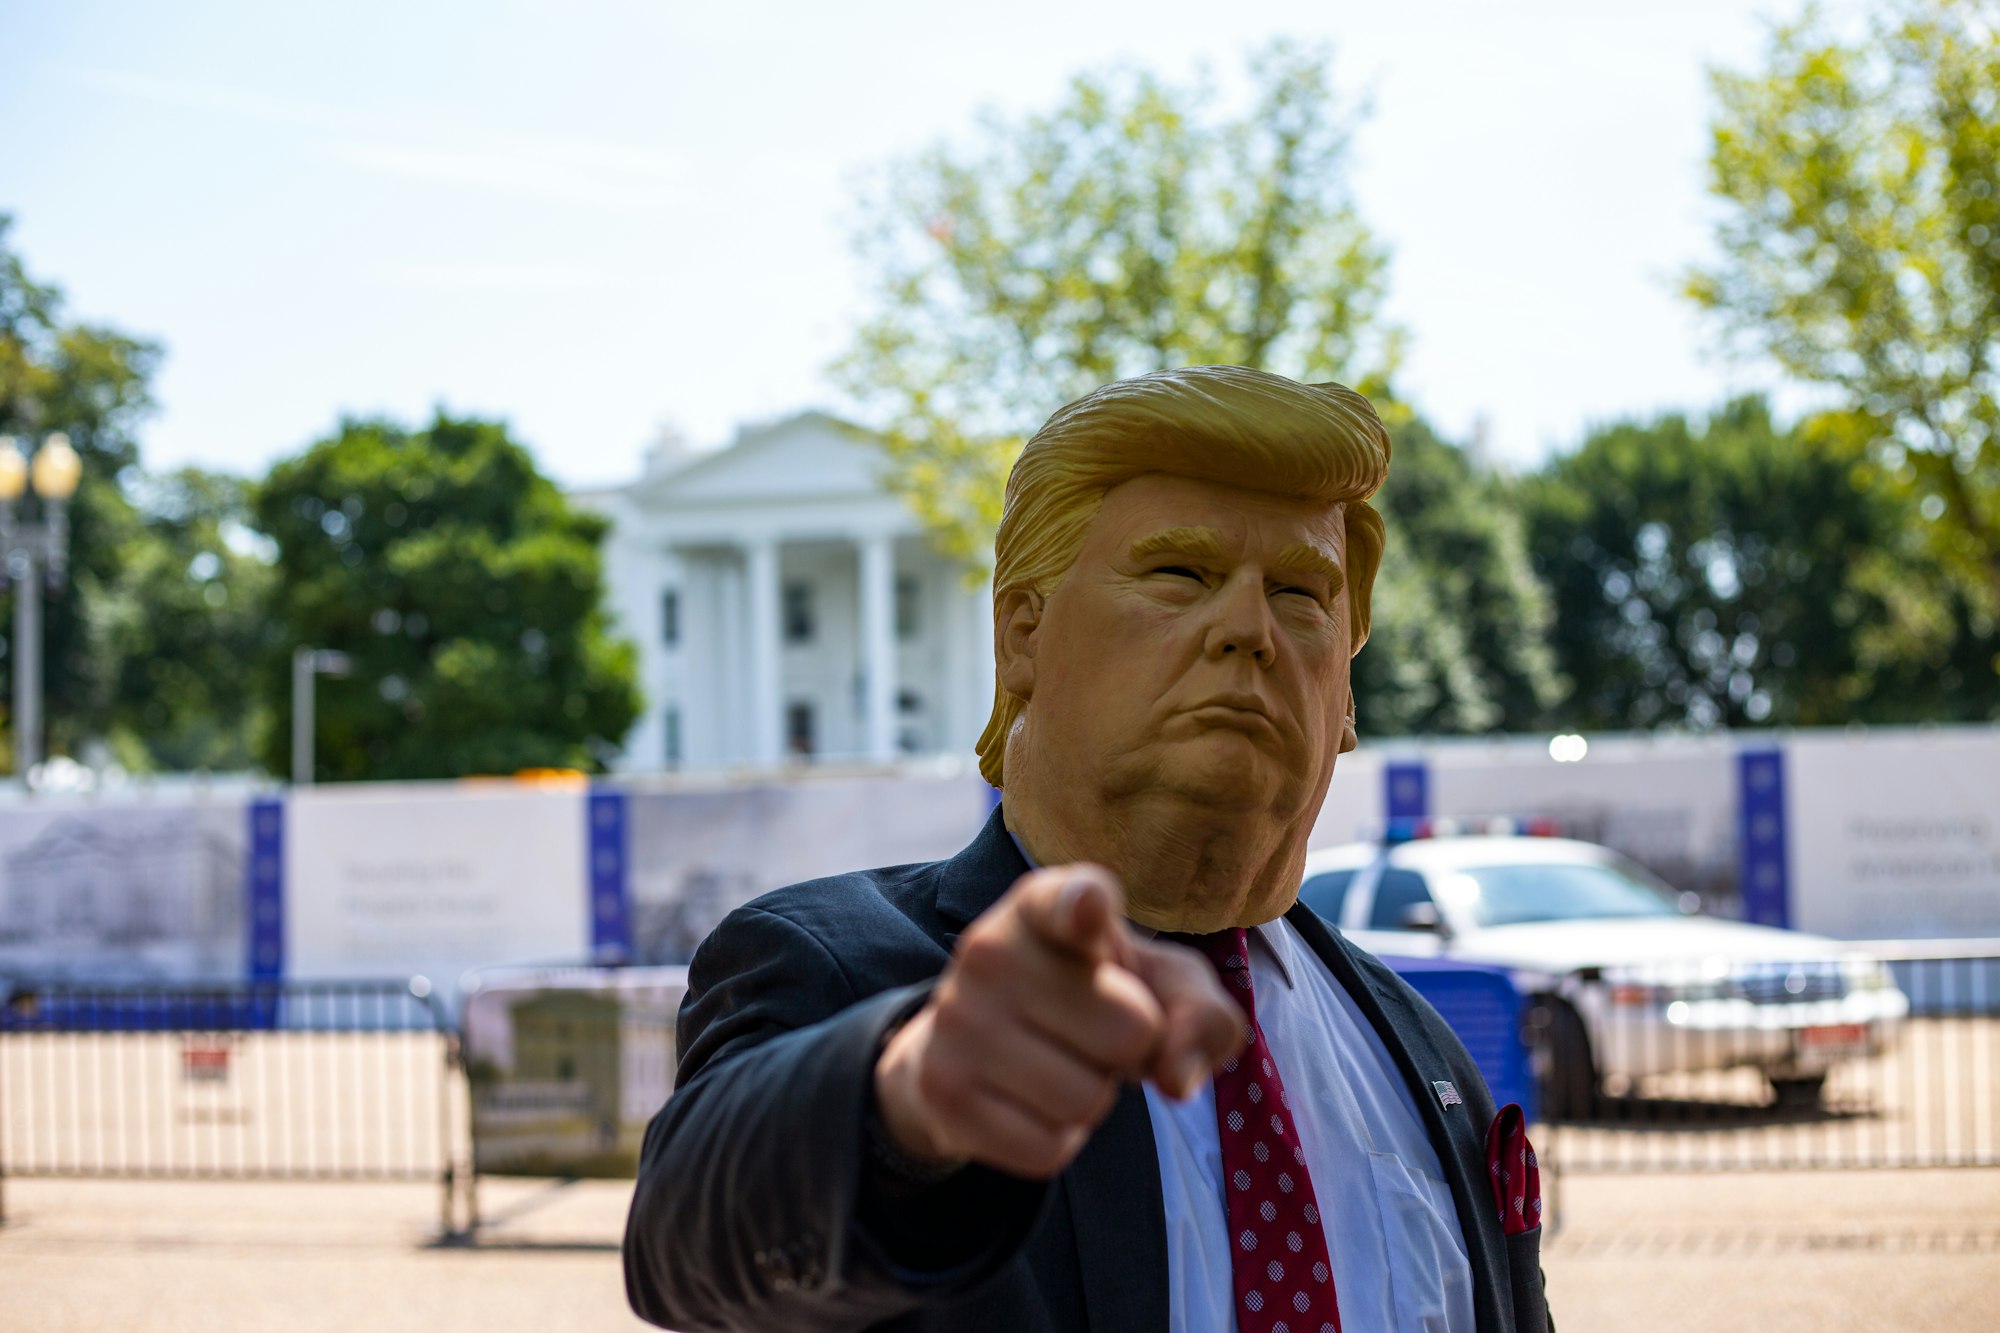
[1229,950]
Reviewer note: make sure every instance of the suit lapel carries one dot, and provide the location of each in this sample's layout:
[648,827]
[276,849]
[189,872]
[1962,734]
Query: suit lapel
[1460,1143]
[973,880]
[1113,1192]
[1398,1026]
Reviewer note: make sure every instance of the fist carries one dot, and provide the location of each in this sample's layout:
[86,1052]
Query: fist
[1050,1003]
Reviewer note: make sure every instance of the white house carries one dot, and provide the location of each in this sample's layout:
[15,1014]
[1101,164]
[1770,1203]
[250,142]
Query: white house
[788,608]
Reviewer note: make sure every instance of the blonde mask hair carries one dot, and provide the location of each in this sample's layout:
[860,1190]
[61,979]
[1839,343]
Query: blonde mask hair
[1224,424]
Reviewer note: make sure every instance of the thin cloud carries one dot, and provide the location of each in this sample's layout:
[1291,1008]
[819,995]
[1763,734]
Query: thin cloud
[599,173]
[602,156]
[536,279]
[511,166]
[205,97]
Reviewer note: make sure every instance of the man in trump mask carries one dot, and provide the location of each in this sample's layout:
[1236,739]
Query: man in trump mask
[1100,1070]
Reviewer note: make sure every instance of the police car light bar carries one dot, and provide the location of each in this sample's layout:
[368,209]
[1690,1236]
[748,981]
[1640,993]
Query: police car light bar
[1502,826]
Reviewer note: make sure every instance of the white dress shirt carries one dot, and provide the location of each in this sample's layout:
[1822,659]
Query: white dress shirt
[1399,1260]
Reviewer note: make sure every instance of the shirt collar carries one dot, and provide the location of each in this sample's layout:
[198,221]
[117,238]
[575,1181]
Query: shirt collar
[1270,937]
[1275,940]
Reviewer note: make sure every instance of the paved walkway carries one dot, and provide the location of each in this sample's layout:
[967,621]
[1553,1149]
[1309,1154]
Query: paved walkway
[1825,1251]
[1767,1253]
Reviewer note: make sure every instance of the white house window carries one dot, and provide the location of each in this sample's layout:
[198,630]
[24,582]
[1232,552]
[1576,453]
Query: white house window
[909,621]
[798,613]
[799,740]
[670,617]
[673,729]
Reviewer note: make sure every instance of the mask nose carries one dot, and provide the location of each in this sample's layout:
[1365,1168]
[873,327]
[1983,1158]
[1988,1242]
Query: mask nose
[1241,622]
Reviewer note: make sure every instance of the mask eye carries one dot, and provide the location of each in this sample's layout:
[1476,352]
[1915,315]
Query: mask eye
[1179,571]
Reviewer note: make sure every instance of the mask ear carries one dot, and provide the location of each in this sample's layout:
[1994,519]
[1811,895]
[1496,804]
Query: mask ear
[1017,618]
[1348,737]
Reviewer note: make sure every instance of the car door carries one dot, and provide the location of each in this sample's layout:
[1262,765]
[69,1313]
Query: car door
[1385,932]
[1327,893]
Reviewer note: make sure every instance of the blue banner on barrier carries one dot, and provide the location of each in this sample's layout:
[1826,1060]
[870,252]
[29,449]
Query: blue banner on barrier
[265,870]
[610,879]
[253,1008]
[1764,870]
[1406,790]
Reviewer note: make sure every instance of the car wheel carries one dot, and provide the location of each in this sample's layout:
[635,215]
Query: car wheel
[1799,1094]
[1568,1085]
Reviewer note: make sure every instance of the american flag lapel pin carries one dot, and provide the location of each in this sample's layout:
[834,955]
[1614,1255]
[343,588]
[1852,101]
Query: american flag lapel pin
[1447,1094]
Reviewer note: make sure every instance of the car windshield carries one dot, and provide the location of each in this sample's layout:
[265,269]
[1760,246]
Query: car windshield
[1508,895]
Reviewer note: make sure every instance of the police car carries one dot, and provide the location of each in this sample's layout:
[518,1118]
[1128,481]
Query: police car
[1625,978]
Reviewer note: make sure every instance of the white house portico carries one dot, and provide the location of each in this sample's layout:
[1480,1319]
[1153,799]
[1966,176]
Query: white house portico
[789,609]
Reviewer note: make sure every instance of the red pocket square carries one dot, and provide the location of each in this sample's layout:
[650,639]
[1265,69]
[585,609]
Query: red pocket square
[1517,1180]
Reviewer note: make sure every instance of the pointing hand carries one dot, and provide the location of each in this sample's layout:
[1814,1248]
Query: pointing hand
[1051,1001]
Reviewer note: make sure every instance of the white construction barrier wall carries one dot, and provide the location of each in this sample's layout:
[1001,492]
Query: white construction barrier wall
[1877,834]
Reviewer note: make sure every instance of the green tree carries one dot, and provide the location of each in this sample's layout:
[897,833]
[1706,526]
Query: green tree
[184,625]
[1860,248]
[1132,228]
[1459,642]
[1732,573]
[91,382]
[468,594]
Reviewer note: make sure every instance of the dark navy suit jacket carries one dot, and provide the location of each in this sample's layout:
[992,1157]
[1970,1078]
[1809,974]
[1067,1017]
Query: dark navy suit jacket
[756,1206]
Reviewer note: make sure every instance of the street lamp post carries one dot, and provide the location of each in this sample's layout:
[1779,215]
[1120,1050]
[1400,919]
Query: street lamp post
[33,551]
[308,663]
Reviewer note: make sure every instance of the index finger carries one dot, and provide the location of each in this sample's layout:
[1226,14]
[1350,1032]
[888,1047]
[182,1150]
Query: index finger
[1079,909]
[1204,1025]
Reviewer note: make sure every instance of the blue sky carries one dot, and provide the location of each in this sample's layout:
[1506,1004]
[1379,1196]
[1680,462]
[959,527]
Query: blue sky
[597,219]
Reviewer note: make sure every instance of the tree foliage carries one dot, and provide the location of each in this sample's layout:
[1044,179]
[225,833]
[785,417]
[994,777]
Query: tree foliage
[1860,247]
[1459,639]
[1134,227]
[1731,573]
[467,593]
[92,383]
[184,627]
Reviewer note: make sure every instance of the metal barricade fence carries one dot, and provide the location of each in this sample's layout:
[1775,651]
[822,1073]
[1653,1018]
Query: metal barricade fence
[347,1080]
[1657,1069]
[1886,1058]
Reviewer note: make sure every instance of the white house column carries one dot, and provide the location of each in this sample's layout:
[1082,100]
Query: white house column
[878,645]
[760,559]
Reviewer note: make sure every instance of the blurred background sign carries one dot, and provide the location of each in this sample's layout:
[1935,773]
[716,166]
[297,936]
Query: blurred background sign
[567,1066]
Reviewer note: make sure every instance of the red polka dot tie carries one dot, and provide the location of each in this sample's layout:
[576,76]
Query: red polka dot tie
[1278,1255]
